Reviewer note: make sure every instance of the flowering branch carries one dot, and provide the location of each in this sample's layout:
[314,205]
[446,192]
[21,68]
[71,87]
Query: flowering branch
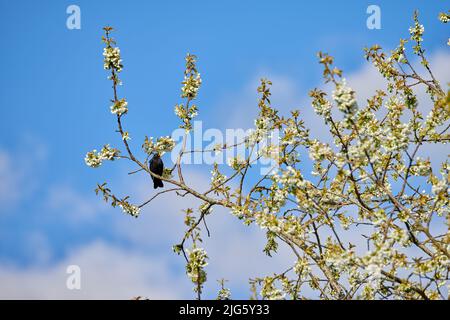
[364,224]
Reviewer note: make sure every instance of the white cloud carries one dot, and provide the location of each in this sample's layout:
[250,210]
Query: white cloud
[11,178]
[110,272]
[38,247]
[19,171]
[107,272]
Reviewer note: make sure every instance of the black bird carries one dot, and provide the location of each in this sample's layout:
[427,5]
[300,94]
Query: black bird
[157,167]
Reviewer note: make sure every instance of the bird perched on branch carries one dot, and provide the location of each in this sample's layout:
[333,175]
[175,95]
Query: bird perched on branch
[157,166]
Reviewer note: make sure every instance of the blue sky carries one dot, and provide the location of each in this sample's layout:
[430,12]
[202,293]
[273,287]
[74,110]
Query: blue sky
[55,102]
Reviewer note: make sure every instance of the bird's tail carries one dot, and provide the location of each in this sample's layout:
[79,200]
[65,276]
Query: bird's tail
[157,183]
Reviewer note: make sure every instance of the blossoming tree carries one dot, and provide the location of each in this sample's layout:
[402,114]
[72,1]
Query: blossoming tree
[369,181]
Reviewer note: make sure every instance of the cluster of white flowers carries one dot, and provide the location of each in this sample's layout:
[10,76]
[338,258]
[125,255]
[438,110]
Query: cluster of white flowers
[290,134]
[401,236]
[422,167]
[236,162]
[417,32]
[340,159]
[182,113]
[108,153]
[119,107]
[270,151]
[238,211]
[263,125]
[345,221]
[191,85]
[292,182]
[205,208]
[441,187]
[195,267]
[374,273]
[341,260]
[278,200]
[345,98]
[322,109]
[435,119]
[162,145]
[384,253]
[130,209]
[268,221]
[94,159]
[224,294]
[378,216]
[357,154]
[302,268]
[404,215]
[269,291]
[397,137]
[444,17]
[186,114]
[395,106]
[112,58]
[292,226]
[217,178]
[253,137]
[398,54]
[319,151]
[126,136]
[288,177]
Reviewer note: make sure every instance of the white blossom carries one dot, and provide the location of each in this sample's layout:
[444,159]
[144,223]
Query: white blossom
[119,107]
[112,58]
[345,98]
